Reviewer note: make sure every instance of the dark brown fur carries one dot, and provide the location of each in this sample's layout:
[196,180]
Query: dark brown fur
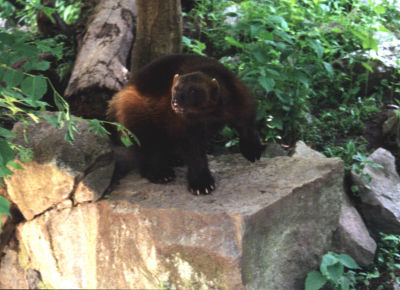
[173,105]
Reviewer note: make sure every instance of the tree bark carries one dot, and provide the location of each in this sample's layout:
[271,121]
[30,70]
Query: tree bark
[158,31]
[100,67]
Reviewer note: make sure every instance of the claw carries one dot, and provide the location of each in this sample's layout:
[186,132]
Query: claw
[206,191]
[198,192]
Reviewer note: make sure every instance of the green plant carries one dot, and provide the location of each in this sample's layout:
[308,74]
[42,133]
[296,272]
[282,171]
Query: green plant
[206,23]
[4,208]
[388,256]
[386,269]
[332,271]
[22,87]
[299,59]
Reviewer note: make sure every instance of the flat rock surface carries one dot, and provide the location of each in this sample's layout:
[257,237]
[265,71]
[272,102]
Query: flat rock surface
[251,185]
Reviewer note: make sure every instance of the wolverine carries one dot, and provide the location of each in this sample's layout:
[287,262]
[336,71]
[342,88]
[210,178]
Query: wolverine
[174,105]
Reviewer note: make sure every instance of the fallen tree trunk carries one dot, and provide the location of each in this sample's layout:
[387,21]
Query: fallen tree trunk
[100,67]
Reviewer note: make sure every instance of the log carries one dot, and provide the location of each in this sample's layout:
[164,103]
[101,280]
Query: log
[100,68]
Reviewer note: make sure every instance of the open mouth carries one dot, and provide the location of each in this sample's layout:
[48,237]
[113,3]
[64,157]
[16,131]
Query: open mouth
[176,107]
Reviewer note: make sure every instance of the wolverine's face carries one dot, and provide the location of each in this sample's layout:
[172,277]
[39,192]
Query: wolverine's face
[193,94]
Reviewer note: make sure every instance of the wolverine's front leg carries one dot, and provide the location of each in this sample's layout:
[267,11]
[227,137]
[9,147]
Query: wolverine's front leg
[249,139]
[200,180]
[154,165]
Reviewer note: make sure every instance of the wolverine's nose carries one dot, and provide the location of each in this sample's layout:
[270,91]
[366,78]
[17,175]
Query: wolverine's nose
[175,102]
[176,106]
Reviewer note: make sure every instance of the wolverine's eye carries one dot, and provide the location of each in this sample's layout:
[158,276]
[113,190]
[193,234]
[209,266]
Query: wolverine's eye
[195,92]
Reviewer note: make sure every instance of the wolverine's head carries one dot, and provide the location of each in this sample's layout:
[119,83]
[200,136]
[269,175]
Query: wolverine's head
[194,94]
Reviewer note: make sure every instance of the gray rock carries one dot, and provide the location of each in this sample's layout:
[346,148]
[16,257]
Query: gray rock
[274,150]
[352,236]
[302,150]
[59,170]
[381,197]
[265,227]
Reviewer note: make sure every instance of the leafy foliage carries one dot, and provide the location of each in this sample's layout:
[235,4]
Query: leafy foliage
[332,271]
[298,58]
[23,85]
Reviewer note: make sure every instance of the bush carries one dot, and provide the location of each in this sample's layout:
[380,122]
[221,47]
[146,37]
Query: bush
[291,53]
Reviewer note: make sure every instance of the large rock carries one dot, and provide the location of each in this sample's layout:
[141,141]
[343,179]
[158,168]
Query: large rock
[59,171]
[265,227]
[12,274]
[380,196]
[352,236]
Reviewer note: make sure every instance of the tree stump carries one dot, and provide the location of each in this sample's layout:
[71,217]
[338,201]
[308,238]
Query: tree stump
[158,32]
[100,67]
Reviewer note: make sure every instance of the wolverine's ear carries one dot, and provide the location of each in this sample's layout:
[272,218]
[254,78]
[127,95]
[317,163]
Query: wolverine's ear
[216,86]
[174,83]
[175,80]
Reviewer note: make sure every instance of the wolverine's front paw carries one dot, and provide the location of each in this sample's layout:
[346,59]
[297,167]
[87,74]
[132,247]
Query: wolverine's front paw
[160,176]
[202,184]
[251,150]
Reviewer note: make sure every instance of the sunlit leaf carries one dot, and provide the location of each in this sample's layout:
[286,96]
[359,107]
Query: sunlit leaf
[4,206]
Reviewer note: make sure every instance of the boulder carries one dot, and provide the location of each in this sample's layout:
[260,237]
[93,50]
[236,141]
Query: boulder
[352,236]
[380,196]
[12,274]
[59,171]
[265,227]
[302,150]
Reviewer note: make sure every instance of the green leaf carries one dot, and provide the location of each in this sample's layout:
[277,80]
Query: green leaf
[301,77]
[335,272]
[329,259]
[370,42]
[4,206]
[25,154]
[6,133]
[15,165]
[6,153]
[36,65]
[233,42]
[34,87]
[126,141]
[278,20]
[328,67]
[315,281]
[4,171]
[315,44]
[53,120]
[13,77]
[267,83]
[96,127]
[344,283]
[348,261]
[367,66]
[379,9]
